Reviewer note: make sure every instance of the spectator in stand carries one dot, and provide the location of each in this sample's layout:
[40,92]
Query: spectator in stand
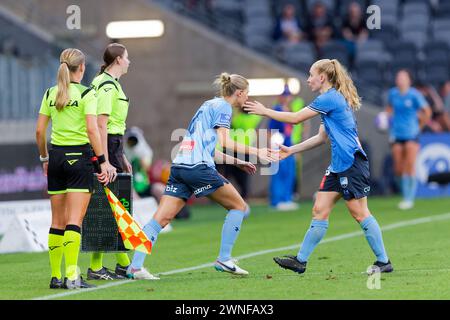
[440,120]
[354,28]
[287,27]
[320,27]
[445,93]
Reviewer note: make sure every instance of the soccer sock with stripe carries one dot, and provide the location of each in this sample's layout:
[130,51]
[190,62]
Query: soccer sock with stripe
[96,261]
[55,250]
[373,235]
[230,232]
[151,229]
[72,240]
[313,236]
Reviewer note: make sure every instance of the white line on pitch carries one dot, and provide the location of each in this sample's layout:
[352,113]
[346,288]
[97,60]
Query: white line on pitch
[392,226]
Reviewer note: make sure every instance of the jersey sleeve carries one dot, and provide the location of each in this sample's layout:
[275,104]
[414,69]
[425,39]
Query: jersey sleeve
[90,102]
[321,104]
[45,110]
[105,98]
[222,116]
[420,100]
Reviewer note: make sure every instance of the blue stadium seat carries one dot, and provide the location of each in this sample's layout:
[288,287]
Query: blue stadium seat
[437,51]
[335,49]
[301,55]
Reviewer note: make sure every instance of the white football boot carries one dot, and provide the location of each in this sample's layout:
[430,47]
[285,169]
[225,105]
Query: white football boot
[140,274]
[230,266]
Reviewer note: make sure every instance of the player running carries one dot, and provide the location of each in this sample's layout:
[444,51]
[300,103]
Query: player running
[410,112]
[72,108]
[112,110]
[193,172]
[348,174]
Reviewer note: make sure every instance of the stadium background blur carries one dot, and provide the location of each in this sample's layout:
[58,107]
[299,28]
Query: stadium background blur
[170,76]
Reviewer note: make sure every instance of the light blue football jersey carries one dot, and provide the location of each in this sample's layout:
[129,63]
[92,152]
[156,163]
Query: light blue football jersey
[340,124]
[405,122]
[200,141]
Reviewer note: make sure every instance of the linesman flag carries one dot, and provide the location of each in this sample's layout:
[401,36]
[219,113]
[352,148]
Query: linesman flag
[131,232]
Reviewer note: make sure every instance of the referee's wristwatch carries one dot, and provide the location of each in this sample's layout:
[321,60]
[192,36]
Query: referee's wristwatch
[43,159]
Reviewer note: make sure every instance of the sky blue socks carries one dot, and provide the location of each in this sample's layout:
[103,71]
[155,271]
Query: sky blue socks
[230,232]
[315,233]
[373,235]
[151,229]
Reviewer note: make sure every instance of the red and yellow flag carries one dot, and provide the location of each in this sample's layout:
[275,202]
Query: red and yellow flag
[131,232]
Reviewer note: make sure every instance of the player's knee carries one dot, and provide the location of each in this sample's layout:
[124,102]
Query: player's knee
[320,212]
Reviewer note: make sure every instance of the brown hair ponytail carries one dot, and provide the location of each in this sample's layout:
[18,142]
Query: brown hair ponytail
[112,51]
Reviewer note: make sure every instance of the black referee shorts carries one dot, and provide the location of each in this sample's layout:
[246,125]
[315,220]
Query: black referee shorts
[353,183]
[115,151]
[70,169]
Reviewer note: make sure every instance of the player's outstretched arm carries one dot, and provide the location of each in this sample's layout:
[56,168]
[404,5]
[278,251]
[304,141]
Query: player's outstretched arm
[265,154]
[320,138]
[255,107]
[223,158]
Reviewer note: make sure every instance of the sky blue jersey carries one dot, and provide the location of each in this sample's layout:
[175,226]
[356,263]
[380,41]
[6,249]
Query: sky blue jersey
[200,141]
[405,122]
[340,125]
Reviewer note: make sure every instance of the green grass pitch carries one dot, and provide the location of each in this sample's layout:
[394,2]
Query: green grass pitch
[417,241]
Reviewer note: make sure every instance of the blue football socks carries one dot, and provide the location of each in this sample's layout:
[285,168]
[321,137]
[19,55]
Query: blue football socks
[315,233]
[151,229]
[373,235]
[230,232]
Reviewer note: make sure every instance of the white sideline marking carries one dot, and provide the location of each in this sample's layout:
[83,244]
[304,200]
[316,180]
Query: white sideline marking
[392,226]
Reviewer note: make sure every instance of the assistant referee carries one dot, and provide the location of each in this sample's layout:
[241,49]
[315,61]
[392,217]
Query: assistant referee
[72,109]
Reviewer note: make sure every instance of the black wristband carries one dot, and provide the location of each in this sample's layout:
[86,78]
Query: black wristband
[101,159]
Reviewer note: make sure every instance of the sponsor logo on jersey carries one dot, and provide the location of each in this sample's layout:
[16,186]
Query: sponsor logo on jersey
[187,145]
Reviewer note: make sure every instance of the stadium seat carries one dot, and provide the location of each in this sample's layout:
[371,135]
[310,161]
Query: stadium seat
[443,11]
[370,72]
[409,9]
[404,52]
[388,34]
[442,35]
[336,50]
[415,22]
[388,6]
[436,74]
[301,55]
[419,38]
[437,51]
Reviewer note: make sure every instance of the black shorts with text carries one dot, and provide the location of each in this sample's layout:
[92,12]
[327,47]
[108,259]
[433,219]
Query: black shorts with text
[353,183]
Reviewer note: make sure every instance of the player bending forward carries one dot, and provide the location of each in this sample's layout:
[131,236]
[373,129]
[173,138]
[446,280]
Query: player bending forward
[193,172]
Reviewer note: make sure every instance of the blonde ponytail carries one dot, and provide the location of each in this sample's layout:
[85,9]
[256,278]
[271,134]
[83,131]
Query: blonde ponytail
[62,95]
[228,84]
[70,60]
[340,80]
